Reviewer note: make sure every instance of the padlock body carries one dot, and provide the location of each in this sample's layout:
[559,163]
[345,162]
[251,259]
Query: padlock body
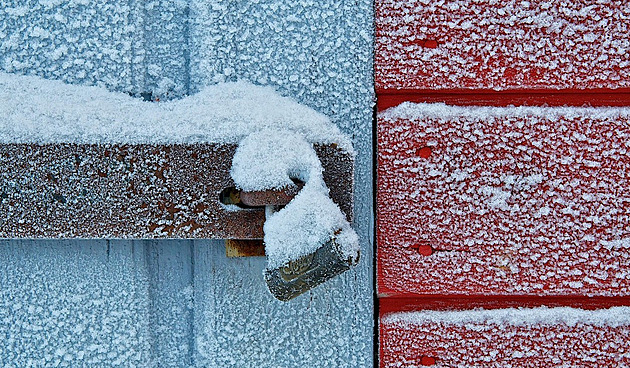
[305,273]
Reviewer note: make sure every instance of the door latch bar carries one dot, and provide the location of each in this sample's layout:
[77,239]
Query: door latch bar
[138,191]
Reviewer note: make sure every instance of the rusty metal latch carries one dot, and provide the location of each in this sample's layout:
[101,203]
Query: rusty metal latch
[139,191]
[308,239]
[68,190]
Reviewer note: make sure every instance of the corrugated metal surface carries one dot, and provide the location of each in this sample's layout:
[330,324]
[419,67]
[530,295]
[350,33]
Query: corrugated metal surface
[183,303]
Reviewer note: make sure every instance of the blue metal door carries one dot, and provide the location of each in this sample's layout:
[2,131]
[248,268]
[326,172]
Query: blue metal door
[182,302]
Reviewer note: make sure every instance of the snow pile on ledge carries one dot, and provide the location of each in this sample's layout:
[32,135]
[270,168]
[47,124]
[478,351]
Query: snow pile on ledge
[613,317]
[269,159]
[35,110]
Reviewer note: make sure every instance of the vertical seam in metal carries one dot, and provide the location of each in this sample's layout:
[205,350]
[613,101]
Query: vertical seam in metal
[187,47]
[374,245]
[191,309]
[376,328]
[148,248]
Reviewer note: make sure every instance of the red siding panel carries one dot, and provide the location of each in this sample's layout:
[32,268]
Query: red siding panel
[530,338]
[492,44]
[503,207]
[503,201]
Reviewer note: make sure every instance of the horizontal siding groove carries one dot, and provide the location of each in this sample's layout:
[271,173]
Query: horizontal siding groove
[387,98]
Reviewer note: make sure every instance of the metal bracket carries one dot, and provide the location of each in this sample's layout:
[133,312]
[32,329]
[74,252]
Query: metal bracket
[136,191]
[254,248]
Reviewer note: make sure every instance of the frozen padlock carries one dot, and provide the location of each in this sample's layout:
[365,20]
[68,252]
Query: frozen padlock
[303,274]
[308,241]
[297,276]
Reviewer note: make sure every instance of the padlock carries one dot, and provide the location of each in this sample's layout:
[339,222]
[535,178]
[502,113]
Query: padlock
[308,241]
[307,272]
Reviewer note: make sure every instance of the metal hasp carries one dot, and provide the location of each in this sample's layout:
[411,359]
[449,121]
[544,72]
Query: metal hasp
[136,191]
[299,275]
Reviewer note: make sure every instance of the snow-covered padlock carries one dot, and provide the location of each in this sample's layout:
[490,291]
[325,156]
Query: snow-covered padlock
[308,241]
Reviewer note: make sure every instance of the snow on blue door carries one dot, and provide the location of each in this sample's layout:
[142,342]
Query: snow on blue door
[182,302]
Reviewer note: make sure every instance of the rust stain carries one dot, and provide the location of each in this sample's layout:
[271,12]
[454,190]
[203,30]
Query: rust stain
[244,248]
[192,224]
[270,197]
[159,173]
[51,178]
[200,207]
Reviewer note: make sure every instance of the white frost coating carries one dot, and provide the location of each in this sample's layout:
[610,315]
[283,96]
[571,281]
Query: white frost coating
[269,159]
[409,110]
[34,110]
[613,317]
[616,244]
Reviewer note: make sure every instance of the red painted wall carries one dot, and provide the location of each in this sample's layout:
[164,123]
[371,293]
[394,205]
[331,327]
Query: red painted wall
[482,202]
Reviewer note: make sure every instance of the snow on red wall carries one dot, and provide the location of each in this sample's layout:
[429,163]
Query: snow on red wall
[540,337]
[481,207]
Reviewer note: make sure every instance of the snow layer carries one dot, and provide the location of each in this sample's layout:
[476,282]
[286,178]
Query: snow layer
[513,200]
[270,159]
[494,44]
[612,317]
[488,114]
[35,110]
